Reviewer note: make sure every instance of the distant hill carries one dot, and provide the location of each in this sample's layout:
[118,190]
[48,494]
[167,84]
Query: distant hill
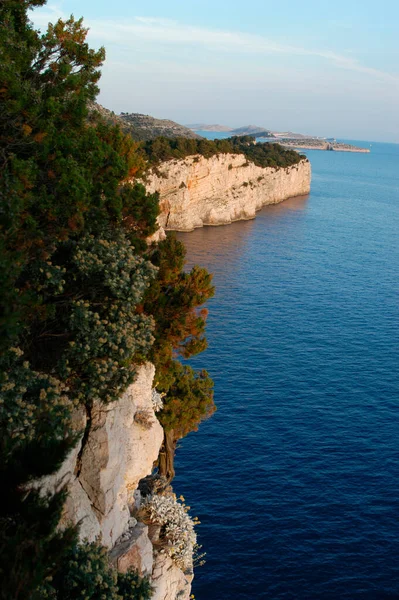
[203,127]
[246,130]
[293,136]
[252,130]
[144,127]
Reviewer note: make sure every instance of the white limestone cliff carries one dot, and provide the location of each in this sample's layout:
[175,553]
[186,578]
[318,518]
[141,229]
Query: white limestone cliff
[198,191]
[169,581]
[114,453]
[120,441]
[118,446]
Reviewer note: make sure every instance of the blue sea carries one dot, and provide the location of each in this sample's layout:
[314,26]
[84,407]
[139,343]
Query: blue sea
[295,478]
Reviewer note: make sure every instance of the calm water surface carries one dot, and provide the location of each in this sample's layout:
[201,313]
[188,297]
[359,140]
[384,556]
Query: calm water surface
[296,477]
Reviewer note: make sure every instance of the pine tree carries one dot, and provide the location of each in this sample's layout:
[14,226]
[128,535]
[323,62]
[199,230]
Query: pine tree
[60,182]
[75,316]
[173,299]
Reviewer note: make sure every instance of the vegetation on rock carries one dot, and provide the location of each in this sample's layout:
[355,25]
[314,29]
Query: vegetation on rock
[265,154]
[86,573]
[83,297]
[177,536]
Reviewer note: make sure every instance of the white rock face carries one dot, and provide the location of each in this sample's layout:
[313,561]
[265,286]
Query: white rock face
[199,191]
[156,237]
[135,552]
[169,582]
[103,471]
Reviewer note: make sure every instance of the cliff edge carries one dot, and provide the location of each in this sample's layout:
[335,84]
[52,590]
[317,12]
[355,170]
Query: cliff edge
[118,446]
[197,191]
[109,493]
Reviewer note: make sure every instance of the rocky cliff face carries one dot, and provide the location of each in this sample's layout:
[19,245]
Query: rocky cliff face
[197,191]
[118,446]
[120,441]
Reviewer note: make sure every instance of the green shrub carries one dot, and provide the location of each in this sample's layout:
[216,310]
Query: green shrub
[106,330]
[189,400]
[86,573]
[84,298]
[173,299]
[261,154]
[133,587]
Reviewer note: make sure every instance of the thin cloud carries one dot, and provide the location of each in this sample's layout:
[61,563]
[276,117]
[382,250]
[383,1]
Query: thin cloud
[169,32]
[50,14]
[175,33]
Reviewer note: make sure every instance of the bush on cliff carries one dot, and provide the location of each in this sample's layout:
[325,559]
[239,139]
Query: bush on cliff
[177,535]
[86,573]
[261,154]
[173,299]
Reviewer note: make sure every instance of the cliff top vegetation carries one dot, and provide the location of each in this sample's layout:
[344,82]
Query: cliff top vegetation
[162,140]
[265,154]
[144,127]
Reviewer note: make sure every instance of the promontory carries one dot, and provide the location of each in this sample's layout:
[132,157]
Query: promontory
[216,188]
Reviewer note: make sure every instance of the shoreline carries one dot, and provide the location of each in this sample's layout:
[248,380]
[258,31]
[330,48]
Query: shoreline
[250,218]
[325,146]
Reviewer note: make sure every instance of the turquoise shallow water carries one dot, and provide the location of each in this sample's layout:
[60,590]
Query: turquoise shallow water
[296,477]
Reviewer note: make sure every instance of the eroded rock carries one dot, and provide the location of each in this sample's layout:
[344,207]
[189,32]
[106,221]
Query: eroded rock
[198,191]
[135,552]
[103,471]
[169,582]
[102,474]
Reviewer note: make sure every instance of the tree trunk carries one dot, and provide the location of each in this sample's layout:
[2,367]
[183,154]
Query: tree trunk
[167,456]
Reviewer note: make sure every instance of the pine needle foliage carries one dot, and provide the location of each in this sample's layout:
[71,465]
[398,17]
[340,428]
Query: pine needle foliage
[265,154]
[70,276]
[83,298]
[87,574]
[174,299]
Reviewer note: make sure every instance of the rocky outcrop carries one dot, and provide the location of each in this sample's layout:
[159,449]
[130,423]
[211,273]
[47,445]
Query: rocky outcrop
[118,446]
[104,469]
[169,581]
[198,191]
[156,237]
[135,551]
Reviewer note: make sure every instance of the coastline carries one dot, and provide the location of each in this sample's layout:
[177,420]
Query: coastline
[327,147]
[197,191]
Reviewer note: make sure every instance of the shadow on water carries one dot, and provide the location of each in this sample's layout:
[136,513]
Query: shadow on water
[220,248]
[296,477]
[298,203]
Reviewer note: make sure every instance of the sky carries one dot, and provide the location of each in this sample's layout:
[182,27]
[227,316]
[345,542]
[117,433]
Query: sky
[322,67]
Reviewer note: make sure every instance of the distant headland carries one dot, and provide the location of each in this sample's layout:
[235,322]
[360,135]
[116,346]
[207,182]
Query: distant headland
[288,139]
[145,127]
[321,144]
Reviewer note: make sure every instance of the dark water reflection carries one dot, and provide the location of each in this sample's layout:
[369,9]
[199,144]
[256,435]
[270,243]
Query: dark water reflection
[222,246]
[296,477]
